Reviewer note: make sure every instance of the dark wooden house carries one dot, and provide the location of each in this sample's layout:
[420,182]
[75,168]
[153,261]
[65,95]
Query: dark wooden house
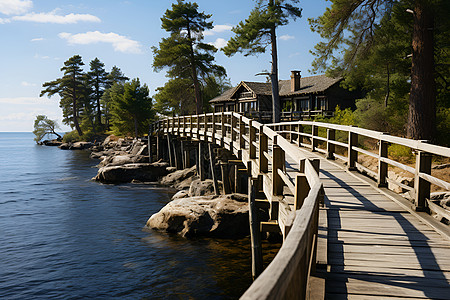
[299,98]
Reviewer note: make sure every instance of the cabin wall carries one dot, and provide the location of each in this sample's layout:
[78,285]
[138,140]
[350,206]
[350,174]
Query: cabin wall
[342,97]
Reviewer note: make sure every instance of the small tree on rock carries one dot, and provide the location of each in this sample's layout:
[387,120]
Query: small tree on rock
[44,126]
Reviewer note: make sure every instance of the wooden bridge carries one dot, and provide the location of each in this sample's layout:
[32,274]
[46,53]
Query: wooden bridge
[344,235]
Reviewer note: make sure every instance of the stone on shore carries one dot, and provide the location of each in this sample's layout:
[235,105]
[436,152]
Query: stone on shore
[52,143]
[215,216]
[178,176]
[144,172]
[120,160]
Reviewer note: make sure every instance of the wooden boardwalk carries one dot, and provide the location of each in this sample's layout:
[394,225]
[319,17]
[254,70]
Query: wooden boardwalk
[371,245]
[376,248]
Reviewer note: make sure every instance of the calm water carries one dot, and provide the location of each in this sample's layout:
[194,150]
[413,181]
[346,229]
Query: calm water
[65,237]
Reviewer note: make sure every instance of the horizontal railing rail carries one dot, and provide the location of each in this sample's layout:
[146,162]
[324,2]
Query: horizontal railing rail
[423,152]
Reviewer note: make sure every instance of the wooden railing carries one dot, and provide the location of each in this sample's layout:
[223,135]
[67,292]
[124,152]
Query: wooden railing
[265,153]
[295,132]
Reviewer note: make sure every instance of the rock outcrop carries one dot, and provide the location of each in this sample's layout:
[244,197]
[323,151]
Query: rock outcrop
[215,216]
[144,172]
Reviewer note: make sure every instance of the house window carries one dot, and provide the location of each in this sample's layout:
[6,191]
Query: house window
[245,94]
[248,106]
[304,104]
[322,102]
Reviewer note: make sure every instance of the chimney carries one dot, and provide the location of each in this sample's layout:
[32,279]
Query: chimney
[295,81]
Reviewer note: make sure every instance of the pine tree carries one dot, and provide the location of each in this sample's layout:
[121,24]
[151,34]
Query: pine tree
[98,80]
[258,31]
[131,108]
[71,88]
[113,77]
[183,52]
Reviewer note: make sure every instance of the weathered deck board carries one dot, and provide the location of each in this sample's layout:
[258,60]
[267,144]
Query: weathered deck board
[376,248]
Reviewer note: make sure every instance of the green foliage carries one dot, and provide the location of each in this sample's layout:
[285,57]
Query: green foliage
[97,80]
[72,90]
[443,126]
[44,126]
[369,43]
[176,97]
[400,153]
[183,52]
[253,35]
[115,76]
[72,136]
[131,108]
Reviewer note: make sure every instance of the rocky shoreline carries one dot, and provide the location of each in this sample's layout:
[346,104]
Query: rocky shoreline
[195,210]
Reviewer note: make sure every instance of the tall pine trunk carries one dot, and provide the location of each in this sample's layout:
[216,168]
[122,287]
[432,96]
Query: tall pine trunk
[75,106]
[422,100]
[274,78]
[99,110]
[198,94]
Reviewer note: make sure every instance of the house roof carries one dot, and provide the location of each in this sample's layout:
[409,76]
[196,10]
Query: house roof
[308,85]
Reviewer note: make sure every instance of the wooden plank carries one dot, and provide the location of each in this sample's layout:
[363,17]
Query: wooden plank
[361,287]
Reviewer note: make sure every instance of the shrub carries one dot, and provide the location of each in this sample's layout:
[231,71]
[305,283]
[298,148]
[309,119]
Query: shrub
[400,153]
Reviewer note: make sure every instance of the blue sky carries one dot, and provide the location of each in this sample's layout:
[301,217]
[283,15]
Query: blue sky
[39,35]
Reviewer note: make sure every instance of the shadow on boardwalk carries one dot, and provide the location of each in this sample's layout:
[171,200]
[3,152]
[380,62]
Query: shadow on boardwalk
[375,248]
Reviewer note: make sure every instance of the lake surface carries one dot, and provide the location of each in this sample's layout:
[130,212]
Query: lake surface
[66,237]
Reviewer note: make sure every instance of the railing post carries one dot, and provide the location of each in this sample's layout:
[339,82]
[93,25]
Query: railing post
[149,145]
[255,234]
[314,141]
[225,172]
[277,164]
[213,137]
[198,127]
[300,136]
[382,166]
[241,133]
[331,136]
[301,190]
[290,132]
[252,140]
[233,132]
[205,127]
[263,147]
[422,186]
[191,126]
[223,129]
[352,154]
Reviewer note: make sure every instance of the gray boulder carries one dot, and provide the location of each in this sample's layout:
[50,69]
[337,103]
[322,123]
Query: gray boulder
[120,160]
[215,216]
[81,145]
[143,172]
[178,176]
[201,188]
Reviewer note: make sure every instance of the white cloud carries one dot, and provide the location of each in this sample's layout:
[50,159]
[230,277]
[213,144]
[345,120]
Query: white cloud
[37,39]
[219,43]
[4,21]
[218,29]
[25,83]
[15,7]
[287,37]
[52,17]
[120,43]
[41,56]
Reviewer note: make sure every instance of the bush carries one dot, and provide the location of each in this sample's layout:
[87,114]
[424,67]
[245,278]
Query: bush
[443,126]
[73,136]
[400,153]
